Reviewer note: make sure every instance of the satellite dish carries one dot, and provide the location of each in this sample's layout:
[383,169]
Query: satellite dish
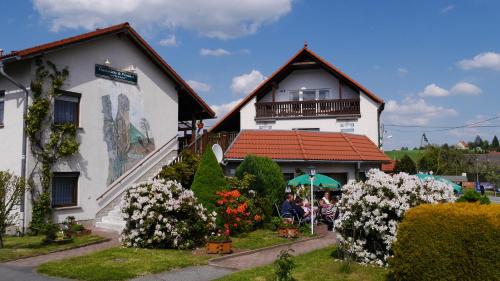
[219,154]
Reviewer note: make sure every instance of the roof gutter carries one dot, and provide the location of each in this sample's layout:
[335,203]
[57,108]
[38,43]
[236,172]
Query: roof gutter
[24,141]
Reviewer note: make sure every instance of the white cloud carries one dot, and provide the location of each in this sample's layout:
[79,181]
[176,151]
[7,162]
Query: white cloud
[246,83]
[487,60]
[461,88]
[219,52]
[170,41]
[448,8]
[433,90]
[199,86]
[222,109]
[221,19]
[415,111]
[402,71]
[464,88]
[214,52]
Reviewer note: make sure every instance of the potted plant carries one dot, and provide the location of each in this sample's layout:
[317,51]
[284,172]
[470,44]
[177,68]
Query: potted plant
[219,243]
[286,228]
[54,234]
[80,230]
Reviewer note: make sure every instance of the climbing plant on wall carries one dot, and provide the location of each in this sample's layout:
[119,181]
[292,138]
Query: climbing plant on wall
[49,142]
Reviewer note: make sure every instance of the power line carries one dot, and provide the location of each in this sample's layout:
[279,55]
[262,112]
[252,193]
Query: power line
[448,128]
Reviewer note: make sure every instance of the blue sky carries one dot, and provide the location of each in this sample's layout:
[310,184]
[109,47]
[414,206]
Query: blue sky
[435,63]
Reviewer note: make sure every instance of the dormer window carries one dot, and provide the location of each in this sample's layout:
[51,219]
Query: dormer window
[309,94]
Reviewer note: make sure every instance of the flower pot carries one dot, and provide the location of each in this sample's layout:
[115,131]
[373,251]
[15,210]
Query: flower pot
[288,232]
[224,247]
[83,232]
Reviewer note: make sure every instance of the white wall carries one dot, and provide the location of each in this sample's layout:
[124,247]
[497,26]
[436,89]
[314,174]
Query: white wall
[11,133]
[160,108]
[309,79]
[367,124]
[154,90]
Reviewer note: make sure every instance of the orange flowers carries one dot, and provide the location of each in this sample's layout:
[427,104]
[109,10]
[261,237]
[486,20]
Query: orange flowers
[233,209]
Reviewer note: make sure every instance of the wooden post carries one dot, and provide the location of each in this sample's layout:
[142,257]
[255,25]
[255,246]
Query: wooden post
[340,89]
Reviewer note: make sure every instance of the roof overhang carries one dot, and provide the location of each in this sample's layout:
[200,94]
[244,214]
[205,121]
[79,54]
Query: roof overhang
[188,98]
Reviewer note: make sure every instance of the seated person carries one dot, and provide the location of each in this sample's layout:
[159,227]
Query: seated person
[327,212]
[298,212]
[286,207]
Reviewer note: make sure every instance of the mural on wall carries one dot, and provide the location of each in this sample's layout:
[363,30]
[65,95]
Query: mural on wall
[126,132]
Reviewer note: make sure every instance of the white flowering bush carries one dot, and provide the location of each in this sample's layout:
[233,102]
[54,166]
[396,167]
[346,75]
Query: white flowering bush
[370,212]
[162,214]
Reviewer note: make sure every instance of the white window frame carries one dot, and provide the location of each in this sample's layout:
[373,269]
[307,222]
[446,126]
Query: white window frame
[301,93]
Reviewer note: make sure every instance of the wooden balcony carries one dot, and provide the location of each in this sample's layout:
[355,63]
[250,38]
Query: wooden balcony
[313,108]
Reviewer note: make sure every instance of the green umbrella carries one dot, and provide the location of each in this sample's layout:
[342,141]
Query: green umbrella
[319,180]
[455,186]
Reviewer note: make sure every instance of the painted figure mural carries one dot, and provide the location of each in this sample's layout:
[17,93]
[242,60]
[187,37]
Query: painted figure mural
[127,135]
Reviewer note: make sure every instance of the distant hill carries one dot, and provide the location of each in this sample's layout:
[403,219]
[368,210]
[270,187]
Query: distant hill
[398,154]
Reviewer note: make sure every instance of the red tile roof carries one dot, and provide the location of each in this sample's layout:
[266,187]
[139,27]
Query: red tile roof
[124,27]
[389,167]
[270,79]
[302,145]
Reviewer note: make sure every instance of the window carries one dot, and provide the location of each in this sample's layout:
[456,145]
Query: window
[309,95]
[2,102]
[64,189]
[323,94]
[66,108]
[294,96]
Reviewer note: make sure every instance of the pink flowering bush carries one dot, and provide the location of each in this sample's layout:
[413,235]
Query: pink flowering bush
[370,212]
[162,214]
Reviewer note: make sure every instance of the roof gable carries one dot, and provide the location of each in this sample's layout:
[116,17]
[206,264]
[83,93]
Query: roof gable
[183,87]
[302,58]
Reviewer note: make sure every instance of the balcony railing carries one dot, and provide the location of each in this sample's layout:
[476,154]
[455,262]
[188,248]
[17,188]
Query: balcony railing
[313,108]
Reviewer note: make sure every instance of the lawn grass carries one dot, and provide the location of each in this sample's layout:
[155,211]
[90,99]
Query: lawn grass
[314,266]
[260,238]
[398,154]
[29,246]
[121,263]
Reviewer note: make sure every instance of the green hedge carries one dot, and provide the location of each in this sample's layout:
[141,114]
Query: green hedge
[455,241]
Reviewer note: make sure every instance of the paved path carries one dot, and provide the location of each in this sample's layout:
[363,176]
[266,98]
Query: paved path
[220,267]
[198,273]
[25,269]
[36,261]
[264,257]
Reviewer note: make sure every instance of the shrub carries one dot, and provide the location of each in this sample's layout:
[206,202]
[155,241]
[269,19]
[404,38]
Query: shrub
[371,210]
[406,165]
[233,211]
[448,242]
[182,171]
[11,194]
[269,182]
[471,196]
[161,214]
[284,265]
[208,179]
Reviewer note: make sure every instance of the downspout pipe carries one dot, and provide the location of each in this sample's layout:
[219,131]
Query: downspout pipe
[25,142]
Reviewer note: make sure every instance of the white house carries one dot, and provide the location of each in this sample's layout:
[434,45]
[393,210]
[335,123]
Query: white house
[308,112]
[127,103]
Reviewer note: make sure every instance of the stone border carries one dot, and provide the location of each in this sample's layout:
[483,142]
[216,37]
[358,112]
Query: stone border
[106,239]
[212,260]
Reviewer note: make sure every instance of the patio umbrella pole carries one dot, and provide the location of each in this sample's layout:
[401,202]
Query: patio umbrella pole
[312,206]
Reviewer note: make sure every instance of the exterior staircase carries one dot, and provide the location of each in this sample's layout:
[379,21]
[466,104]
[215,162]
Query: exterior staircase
[109,214]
